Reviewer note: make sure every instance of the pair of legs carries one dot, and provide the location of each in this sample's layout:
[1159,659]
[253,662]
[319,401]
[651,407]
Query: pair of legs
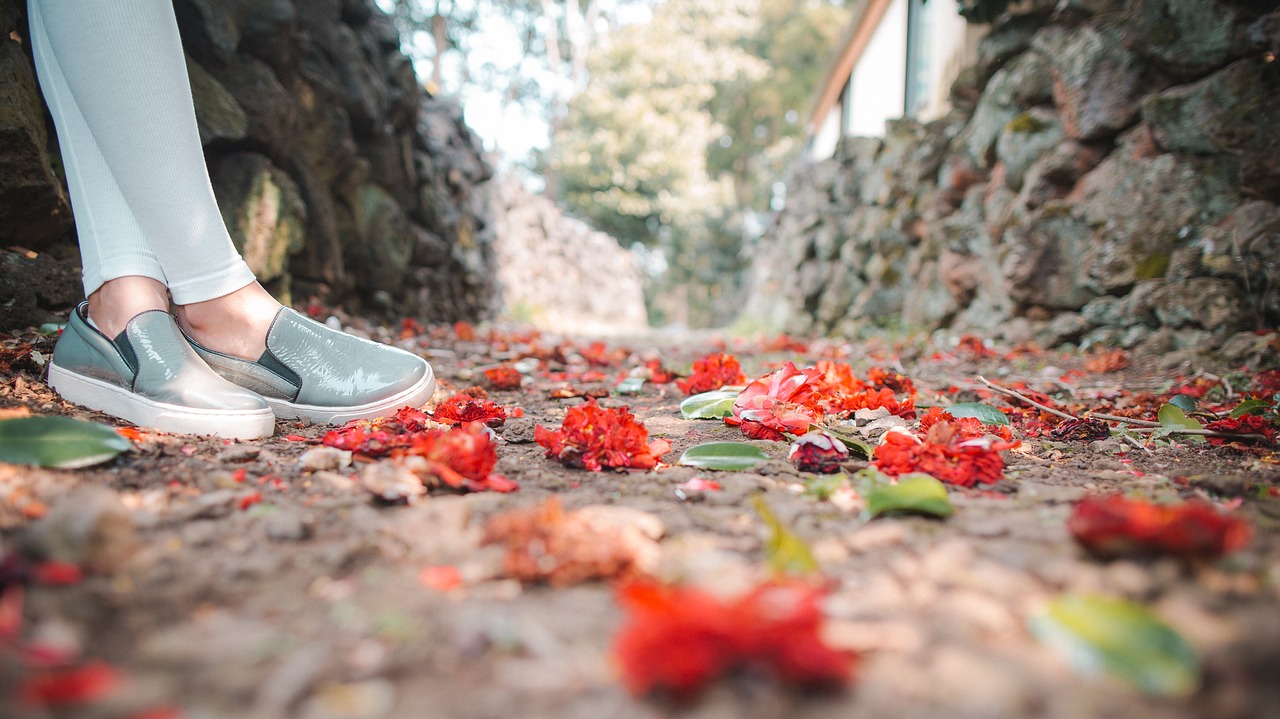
[151,235]
[114,76]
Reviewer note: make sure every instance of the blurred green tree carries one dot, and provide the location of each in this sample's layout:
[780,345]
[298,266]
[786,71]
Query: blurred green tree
[683,128]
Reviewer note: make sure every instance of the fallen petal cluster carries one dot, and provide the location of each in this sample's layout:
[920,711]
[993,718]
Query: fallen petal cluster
[678,639]
[1115,526]
[946,453]
[466,408]
[712,372]
[547,544]
[596,437]
[462,458]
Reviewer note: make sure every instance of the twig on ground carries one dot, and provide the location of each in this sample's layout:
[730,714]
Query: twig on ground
[1204,433]
[1023,398]
[1137,444]
[1126,420]
[1144,426]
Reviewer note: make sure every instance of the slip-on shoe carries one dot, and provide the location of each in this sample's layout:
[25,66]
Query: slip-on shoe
[311,371]
[150,376]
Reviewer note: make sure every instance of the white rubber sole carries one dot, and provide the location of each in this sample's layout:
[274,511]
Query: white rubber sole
[415,396]
[119,402]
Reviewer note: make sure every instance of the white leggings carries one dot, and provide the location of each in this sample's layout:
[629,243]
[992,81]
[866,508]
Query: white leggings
[115,78]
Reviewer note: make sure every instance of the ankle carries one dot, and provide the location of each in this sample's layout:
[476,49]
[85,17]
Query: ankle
[119,300]
[234,324]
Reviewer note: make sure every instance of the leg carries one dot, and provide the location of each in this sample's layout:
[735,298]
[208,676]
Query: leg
[114,73]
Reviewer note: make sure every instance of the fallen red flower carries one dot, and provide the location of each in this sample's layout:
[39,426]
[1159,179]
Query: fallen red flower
[59,687]
[780,402]
[596,437]
[504,377]
[1265,384]
[249,500]
[378,437]
[678,639]
[440,578]
[56,573]
[547,544]
[466,408]
[711,373]
[1115,526]
[659,374]
[462,458]
[974,346]
[1248,424]
[464,331]
[880,377]
[1080,430]
[947,454]
[873,399]
[1107,361]
[598,353]
[818,452]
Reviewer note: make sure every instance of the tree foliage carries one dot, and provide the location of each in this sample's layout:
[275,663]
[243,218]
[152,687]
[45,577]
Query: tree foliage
[682,129]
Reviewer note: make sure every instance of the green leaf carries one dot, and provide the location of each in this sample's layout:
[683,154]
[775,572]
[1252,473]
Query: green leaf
[913,494]
[58,442]
[1250,406]
[709,405]
[729,456]
[1121,637]
[851,443]
[630,385]
[1184,402]
[783,550]
[985,413]
[1172,417]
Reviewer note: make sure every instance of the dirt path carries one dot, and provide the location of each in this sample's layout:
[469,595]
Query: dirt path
[228,580]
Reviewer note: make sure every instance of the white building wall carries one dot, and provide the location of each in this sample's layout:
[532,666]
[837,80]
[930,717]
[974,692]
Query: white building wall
[878,81]
[950,45]
[824,140]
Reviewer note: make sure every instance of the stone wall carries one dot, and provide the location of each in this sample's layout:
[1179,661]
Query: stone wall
[339,177]
[1111,174]
[558,274]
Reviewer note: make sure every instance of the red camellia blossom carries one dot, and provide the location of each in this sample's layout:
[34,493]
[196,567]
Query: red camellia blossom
[466,408]
[946,454]
[712,372]
[504,377]
[462,458]
[596,437]
[818,452]
[1248,424]
[780,402]
[1113,526]
[678,639]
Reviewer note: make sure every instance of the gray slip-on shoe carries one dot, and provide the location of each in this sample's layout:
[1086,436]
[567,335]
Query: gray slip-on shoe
[150,376]
[313,372]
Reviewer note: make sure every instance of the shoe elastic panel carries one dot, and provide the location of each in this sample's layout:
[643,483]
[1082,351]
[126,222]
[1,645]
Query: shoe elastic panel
[123,345]
[270,362]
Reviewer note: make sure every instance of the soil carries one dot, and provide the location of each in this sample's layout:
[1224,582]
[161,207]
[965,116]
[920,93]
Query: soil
[312,602]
